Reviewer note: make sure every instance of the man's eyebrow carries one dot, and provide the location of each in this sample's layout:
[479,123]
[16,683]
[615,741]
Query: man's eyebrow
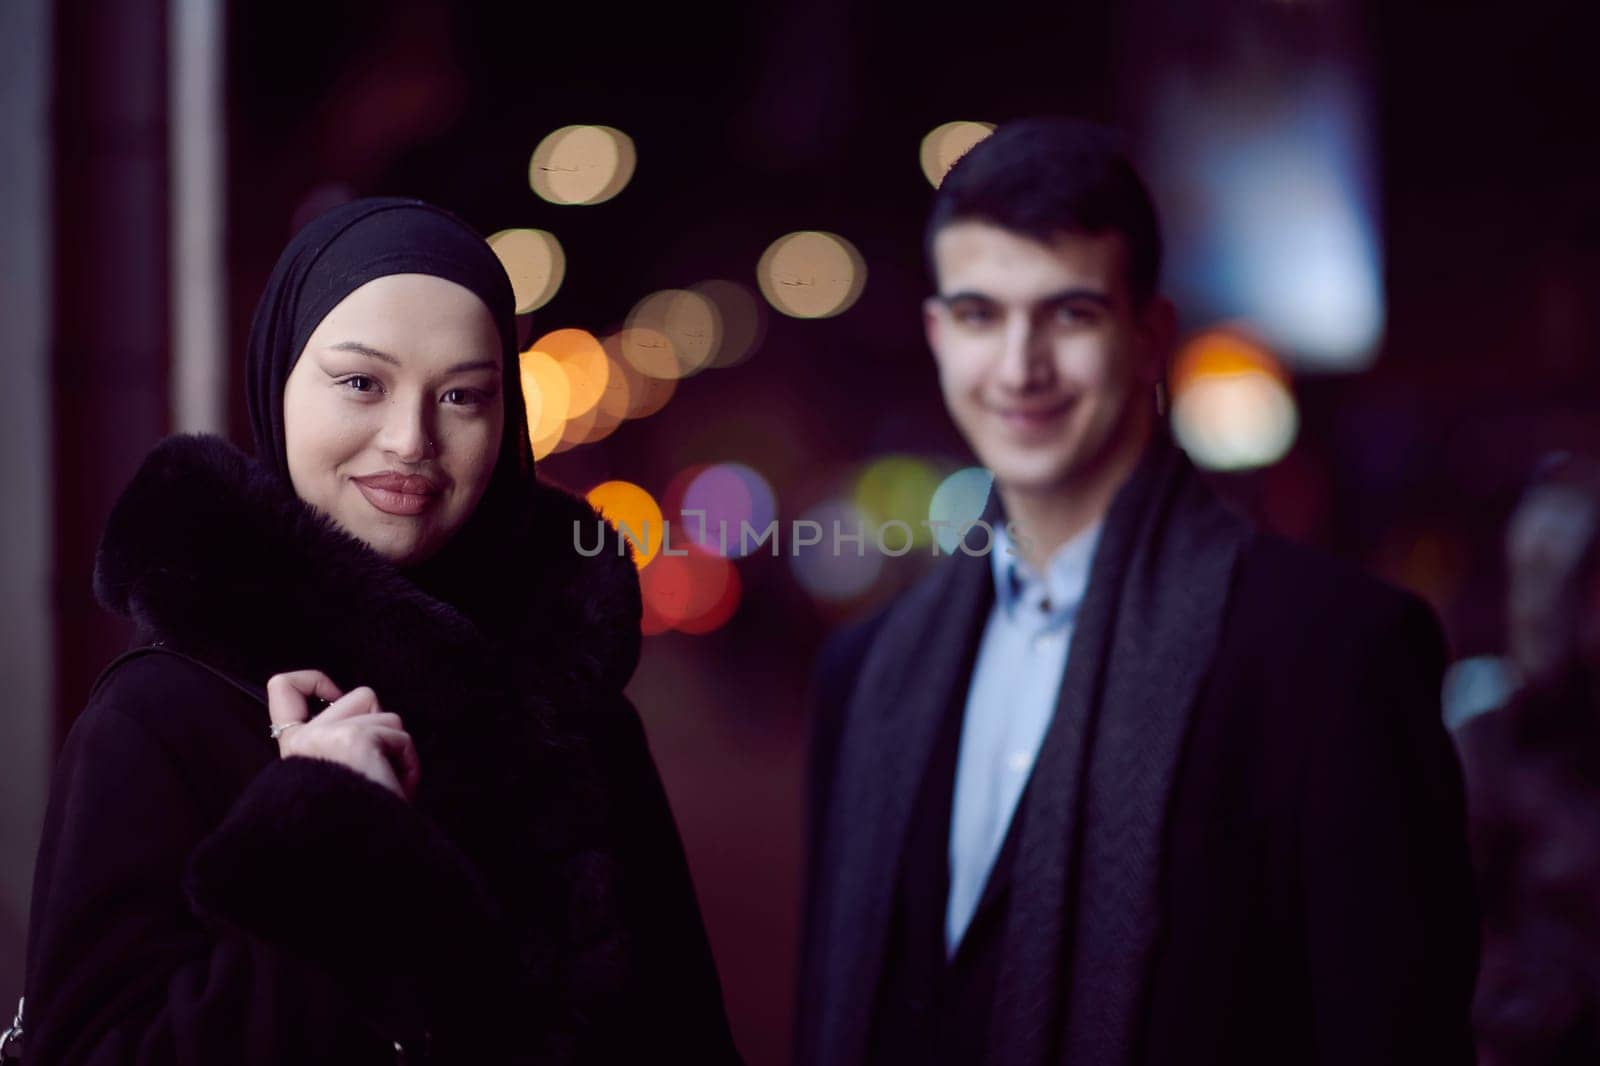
[965,294]
[1077,295]
[1074,295]
[362,349]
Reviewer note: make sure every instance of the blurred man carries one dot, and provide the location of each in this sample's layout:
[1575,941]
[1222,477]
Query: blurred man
[1533,775]
[1122,781]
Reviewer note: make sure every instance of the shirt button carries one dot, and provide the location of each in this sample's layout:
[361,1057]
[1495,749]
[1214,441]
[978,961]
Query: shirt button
[1043,642]
[1019,761]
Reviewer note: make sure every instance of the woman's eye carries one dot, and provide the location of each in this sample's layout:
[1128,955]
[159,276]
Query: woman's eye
[359,383]
[464,397]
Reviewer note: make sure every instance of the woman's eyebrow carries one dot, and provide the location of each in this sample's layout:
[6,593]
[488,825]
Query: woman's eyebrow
[362,349]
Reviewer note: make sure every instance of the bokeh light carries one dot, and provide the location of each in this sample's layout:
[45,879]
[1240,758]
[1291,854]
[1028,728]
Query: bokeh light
[603,422]
[897,488]
[811,274]
[649,351]
[644,394]
[1232,408]
[948,143]
[729,495]
[693,593]
[582,165]
[583,360]
[576,430]
[546,393]
[834,571]
[957,502]
[744,320]
[634,512]
[1281,220]
[535,263]
[689,324]
[716,595]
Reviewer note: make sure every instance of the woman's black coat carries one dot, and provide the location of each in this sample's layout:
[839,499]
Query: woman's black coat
[200,900]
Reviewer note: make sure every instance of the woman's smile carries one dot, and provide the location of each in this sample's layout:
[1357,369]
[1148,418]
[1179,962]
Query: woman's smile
[399,494]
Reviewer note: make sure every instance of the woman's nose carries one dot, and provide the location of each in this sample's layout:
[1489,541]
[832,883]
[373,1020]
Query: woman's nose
[407,435]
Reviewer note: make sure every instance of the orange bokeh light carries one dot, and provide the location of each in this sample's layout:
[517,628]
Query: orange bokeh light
[583,360]
[625,504]
[1223,352]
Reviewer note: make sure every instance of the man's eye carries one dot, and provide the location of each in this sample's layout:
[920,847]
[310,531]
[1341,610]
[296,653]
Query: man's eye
[972,315]
[1074,316]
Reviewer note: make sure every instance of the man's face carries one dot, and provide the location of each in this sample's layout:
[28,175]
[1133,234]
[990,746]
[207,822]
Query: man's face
[1044,360]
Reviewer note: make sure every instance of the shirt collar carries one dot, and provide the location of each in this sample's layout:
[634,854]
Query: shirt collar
[1057,594]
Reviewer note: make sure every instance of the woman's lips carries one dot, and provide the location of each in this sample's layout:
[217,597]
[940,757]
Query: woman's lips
[398,494]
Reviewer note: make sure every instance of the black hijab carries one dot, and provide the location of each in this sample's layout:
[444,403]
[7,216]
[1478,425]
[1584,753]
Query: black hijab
[341,251]
[336,254]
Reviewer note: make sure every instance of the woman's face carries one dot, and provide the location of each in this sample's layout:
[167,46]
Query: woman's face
[393,413]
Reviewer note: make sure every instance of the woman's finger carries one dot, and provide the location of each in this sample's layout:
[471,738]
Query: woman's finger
[387,719]
[358,701]
[288,692]
[401,753]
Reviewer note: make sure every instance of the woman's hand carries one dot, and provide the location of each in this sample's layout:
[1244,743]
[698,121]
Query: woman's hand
[354,731]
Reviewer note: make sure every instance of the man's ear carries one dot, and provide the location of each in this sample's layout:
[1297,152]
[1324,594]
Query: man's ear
[932,321]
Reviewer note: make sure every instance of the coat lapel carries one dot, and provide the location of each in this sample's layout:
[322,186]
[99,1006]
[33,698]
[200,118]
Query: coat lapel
[905,686]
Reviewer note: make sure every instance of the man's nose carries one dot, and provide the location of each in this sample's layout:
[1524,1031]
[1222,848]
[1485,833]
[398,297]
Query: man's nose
[1024,354]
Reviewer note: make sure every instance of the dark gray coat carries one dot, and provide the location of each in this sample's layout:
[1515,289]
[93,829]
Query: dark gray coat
[1243,841]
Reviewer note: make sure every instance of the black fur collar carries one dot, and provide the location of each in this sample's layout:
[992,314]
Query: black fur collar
[206,551]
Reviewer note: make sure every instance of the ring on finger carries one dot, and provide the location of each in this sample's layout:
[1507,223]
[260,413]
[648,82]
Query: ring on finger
[280,728]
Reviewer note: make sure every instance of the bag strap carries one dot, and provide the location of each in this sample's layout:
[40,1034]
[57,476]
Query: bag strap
[159,647]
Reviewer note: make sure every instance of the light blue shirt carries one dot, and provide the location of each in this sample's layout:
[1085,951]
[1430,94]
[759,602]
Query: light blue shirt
[1015,682]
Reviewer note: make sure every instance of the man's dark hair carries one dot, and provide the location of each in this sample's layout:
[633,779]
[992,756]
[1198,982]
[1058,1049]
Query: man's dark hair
[1043,177]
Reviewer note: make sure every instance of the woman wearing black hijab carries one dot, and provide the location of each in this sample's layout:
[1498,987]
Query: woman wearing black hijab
[467,856]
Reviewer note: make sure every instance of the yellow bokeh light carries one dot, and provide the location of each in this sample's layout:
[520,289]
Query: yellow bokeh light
[582,358]
[948,143]
[634,512]
[547,445]
[688,321]
[811,274]
[582,165]
[535,263]
[744,323]
[547,394]
[897,488]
